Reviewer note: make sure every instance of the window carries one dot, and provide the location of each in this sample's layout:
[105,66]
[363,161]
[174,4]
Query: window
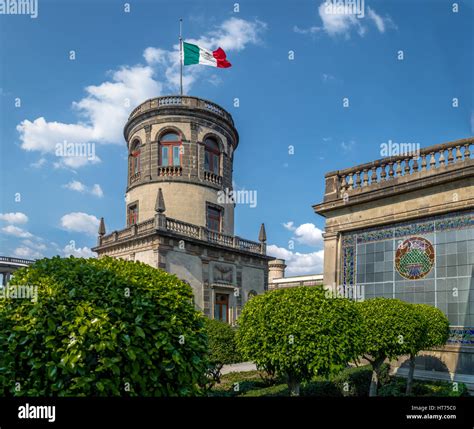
[212,155]
[132,215]
[214,216]
[221,307]
[135,158]
[170,150]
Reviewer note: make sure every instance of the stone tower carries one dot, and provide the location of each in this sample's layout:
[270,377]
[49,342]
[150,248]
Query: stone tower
[276,269]
[185,146]
[179,214]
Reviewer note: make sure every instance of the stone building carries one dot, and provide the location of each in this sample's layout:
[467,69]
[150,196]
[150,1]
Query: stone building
[403,227]
[179,210]
[277,279]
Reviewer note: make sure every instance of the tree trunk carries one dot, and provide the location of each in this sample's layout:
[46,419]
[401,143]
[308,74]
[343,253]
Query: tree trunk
[411,373]
[374,382]
[293,385]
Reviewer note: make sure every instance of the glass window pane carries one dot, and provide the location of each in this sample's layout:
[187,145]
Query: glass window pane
[211,145]
[170,137]
[206,161]
[176,155]
[136,160]
[215,164]
[164,156]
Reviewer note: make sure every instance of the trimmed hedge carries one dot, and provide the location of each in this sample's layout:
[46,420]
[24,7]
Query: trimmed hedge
[101,327]
[222,347]
[300,332]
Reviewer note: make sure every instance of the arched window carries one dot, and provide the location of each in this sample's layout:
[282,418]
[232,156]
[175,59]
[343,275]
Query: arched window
[212,156]
[170,149]
[135,159]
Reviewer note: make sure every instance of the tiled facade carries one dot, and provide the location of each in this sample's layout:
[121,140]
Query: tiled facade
[369,260]
[402,227]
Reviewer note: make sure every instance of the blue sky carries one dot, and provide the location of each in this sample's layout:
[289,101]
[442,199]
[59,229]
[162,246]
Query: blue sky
[47,202]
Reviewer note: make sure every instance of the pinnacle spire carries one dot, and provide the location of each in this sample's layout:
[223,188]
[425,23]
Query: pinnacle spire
[262,235]
[102,227]
[160,202]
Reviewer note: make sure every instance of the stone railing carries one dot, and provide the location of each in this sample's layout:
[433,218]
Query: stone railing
[177,100]
[162,223]
[183,228]
[19,261]
[426,161]
[250,246]
[212,177]
[219,238]
[135,177]
[172,170]
[125,233]
[148,225]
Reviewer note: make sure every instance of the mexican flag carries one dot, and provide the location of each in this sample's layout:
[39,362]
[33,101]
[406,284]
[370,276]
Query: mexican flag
[194,54]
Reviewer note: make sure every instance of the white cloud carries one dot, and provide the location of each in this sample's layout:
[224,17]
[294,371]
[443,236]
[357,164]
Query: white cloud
[97,191]
[80,222]
[326,77]
[74,162]
[339,23]
[30,249]
[342,24]
[298,263]
[77,186]
[81,252]
[306,233]
[16,232]
[105,108]
[37,246]
[378,20]
[348,146]
[309,234]
[28,253]
[39,163]
[14,217]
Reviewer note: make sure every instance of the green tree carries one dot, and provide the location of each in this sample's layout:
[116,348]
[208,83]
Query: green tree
[101,328]
[436,334]
[299,332]
[222,347]
[391,329]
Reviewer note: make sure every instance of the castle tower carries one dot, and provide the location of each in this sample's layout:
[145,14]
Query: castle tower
[179,214]
[185,146]
[276,269]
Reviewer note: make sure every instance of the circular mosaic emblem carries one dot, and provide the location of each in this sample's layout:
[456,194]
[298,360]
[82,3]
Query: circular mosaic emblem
[414,258]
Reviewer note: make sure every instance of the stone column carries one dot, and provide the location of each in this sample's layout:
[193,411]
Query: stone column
[148,149]
[331,258]
[194,151]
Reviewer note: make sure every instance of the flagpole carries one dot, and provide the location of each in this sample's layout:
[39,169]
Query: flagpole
[181,55]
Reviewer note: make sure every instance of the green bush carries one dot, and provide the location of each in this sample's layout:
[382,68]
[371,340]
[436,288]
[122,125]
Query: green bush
[397,387]
[101,327]
[354,381]
[439,388]
[436,333]
[321,388]
[299,333]
[222,347]
[392,328]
